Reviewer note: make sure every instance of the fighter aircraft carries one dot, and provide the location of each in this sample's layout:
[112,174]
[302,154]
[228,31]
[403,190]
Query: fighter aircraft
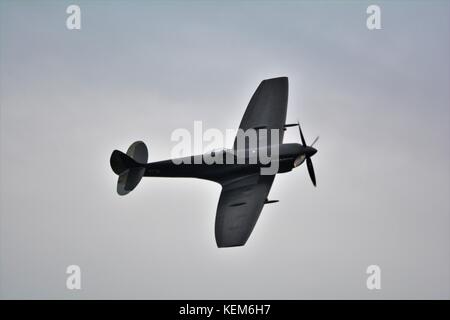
[244,187]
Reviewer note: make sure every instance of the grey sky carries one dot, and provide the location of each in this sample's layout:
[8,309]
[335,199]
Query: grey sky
[138,70]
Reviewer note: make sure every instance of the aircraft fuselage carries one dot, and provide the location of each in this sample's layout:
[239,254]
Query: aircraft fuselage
[246,162]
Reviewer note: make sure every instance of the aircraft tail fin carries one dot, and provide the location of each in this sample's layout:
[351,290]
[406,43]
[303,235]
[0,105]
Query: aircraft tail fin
[130,167]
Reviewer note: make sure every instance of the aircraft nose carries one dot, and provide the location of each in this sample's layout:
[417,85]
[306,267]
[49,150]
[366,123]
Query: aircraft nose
[311,151]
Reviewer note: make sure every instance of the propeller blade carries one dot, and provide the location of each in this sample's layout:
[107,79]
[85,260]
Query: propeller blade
[311,170]
[301,134]
[315,140]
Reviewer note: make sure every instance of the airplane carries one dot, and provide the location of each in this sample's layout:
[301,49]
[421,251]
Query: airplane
[244,189]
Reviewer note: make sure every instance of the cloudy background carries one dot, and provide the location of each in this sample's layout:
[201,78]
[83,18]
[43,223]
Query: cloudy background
[139,70]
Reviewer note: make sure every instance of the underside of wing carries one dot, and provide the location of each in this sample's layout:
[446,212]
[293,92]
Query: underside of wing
[267,107]
[240,204]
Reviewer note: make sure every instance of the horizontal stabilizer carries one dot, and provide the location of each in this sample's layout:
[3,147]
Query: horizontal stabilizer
[130,167]
[270,201]
[120,162]
[129,180]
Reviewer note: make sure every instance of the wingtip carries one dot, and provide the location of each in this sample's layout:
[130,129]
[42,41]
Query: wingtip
[227,243]
[277,79]
[230,246]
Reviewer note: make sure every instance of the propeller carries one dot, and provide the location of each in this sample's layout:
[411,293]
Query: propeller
[311,170]
[309,163]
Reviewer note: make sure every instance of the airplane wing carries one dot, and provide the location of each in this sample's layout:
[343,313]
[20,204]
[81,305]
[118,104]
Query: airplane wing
[267,107]
[240,204]
[243,197]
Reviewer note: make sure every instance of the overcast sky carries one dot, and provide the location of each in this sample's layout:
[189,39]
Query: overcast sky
[139,70]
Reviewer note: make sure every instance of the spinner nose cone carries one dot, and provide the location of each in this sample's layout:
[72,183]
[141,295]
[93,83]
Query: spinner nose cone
[310,151]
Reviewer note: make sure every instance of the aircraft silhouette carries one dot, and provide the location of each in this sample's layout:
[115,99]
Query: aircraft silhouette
[244,188]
